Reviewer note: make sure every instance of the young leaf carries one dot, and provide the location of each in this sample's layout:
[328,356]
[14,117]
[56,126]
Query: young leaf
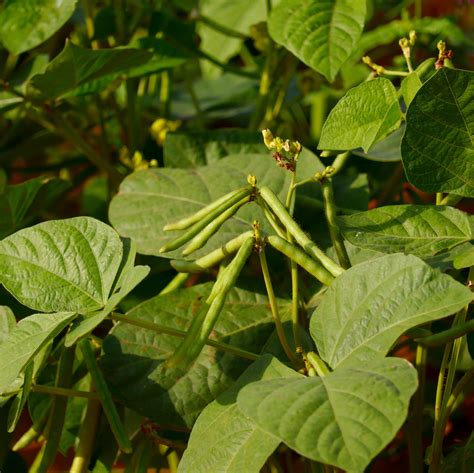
[362,117]
[422,230]
[24,24]
[26,340]
[322,33]
[133,357]
[386,150]
[369,306]
[75,66]
[61,265]
[343,419]
[438,144]
[223,439]
[411,84]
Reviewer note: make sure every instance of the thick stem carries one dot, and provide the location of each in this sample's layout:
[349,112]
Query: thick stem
[57,391]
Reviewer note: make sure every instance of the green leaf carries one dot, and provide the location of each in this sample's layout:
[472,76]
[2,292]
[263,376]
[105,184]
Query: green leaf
[84,324]
[362,117]
[7,322]
[19,203]
[238,15]
[149,199]
[26,340]
[386,150]
[411,84]
[24,24]
[343,419]
[370,305]
[133,357]
[421,230]
[465,259]
[76,66]
[438,144]
[61,265]
[192,149]
[461,459]
[322,33]
[223,439]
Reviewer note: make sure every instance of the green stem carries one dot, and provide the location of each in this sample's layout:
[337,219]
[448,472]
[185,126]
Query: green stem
[418,9]
[165,94]
[295,323]
[181,334]
[221,28]
[443,393]
[461,387]
[335,233]
[58,410]
[176,283]
[264,88]
[441,338]
[414,429]
[439,198]
[120,21]
[451,199]
[132,115]
[298,234]
[274,308]
[33,432]
[57,391]
[86,438]
[200,122]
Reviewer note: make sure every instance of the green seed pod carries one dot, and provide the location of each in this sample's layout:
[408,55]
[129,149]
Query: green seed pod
[297,233]
[302,259]
[186,222]
[205,220]
[202,325]
[201,238]
[213,258]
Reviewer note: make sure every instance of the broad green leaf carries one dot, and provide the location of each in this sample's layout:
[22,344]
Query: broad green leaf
[7,322]
[322,33]
[84,324]
[24,24]
[362,117]
[225,440]
[20,203]
[26,340]
[238,15]
[61,265]
[133,357]
[343,419]
[149,199]
[76,66]
[370,305]
[465,259]
[411,84]
[461,459]
[386,150]
[192,149]
[421,230]
[438,144]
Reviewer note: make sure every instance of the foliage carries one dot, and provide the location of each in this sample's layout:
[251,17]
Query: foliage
[182,286]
